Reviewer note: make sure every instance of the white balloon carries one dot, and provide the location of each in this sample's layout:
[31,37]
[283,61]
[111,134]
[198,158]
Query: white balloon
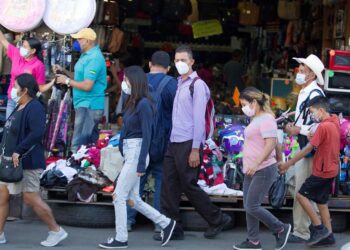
[69,16]
[21,15]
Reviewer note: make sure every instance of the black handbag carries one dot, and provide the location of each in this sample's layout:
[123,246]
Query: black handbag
[8,172]
[278,191]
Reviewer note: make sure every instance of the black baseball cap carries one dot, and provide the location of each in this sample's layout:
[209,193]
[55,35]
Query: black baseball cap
[161,58]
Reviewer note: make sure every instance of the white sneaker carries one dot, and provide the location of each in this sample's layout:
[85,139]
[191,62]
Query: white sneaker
[54,238]
[2,238]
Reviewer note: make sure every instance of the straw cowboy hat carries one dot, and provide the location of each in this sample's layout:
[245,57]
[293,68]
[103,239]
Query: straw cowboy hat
[315,64]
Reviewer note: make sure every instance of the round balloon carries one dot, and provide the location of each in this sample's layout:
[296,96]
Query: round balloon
[345,133]
[21,15]
[69,16]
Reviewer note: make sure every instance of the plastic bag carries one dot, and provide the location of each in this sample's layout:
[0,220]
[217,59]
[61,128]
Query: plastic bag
[278,191]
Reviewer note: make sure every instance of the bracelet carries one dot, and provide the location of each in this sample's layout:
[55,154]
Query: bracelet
[67,82]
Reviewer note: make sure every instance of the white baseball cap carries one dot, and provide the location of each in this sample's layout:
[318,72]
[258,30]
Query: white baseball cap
[315,64]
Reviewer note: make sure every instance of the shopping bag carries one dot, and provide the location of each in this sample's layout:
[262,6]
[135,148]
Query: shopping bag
[278,192]
[249,13]
[289,9]
[111,163]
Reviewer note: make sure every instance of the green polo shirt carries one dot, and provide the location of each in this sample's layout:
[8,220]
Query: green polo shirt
[91,66]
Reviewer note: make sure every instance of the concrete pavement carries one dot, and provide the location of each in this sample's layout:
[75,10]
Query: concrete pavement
[28,234]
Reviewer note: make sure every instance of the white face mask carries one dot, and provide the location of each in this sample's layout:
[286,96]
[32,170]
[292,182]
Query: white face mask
[14,95]
[300,79]
[23,52]
[182,68]
[126,89]
[248,111]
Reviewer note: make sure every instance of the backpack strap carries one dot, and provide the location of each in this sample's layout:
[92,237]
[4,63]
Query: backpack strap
[304,106]
[166,79]
[192,85]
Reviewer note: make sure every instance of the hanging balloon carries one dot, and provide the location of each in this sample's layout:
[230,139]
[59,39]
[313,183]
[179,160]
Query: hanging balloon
[69,16]
[21,15]
[232,138]
[344,133]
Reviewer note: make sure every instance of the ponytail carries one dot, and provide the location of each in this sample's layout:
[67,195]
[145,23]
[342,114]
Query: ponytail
[250,94]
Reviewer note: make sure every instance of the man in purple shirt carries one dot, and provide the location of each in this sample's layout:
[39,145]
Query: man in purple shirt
[182,160]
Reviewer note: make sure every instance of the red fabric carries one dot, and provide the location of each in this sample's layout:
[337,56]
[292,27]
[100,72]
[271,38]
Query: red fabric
[327,142]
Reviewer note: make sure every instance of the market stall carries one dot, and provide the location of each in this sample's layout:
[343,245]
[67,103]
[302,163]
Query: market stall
[267,33]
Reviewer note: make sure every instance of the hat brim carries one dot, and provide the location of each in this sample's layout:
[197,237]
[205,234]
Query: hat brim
[319,76]
[76,36]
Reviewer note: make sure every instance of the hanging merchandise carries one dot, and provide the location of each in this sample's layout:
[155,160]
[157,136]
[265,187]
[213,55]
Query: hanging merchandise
[151,7]
[110,13]
[249,13]
[289,9]
[344,132]
[176,10]
[194,17]
[21,15]
[60,134]
[69,16]
[118,43]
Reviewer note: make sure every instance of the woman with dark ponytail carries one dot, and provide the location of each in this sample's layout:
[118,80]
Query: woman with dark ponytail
[23,134]
[26,59]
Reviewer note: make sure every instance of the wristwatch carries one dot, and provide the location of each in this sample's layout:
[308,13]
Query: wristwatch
[67,82]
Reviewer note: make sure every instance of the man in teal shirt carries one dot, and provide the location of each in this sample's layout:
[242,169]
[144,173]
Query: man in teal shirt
[89,84]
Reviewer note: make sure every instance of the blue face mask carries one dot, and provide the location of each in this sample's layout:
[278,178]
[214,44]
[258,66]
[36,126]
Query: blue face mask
[76,46]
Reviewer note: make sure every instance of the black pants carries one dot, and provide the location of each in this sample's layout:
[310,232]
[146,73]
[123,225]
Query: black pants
[178,178]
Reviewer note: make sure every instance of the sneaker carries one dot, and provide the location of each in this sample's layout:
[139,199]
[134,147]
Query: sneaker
[295,239]
[175,236]
[327,242]
[54,238]
[212,231]
[167,232]
[2,238]
[318,235]
[112,243]
[247,245]
[129,227]
[282,237]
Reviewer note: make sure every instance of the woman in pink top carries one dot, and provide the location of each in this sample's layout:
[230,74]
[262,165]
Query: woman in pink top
[260,168]
[27,59]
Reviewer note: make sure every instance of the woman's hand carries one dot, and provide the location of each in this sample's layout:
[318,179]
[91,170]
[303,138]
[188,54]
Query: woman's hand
[15,159]
[252,169]
[283,167]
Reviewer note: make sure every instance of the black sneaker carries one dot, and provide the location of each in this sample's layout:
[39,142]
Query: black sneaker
[175,236]
[247,245]
[212,231]
[167,232]
[282,237]
[327,242]
[296,239]
[113,244]
[318,235]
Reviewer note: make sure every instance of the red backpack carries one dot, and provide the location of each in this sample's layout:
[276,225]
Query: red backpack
[209,113]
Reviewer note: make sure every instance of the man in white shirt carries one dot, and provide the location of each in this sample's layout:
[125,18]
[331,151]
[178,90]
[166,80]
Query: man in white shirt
[309,78]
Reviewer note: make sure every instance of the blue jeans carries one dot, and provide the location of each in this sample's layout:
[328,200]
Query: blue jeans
[85,127]
[156,170]
[11,105]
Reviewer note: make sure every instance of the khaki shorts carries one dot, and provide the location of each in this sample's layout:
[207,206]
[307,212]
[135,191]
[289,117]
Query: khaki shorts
[29,184]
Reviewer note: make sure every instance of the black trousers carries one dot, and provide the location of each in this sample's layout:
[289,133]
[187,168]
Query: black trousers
[178,178]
